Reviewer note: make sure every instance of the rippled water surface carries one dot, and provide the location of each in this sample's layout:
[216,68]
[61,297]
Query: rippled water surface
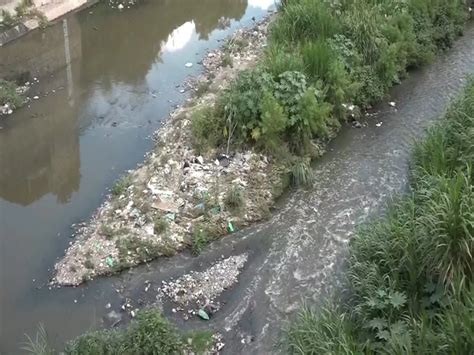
[299,253]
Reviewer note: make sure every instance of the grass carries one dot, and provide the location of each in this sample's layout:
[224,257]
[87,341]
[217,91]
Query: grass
[207,129]
[149,333]
[39,345]
[121,185]
[107,231]
[301,173]
[160,225]
[203,234]
[411,271]
[234,198]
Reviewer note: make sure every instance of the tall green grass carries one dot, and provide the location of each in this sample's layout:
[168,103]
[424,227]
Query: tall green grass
[411,272]
[350,52]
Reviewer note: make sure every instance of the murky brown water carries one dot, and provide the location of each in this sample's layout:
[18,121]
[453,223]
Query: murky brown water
[106,81]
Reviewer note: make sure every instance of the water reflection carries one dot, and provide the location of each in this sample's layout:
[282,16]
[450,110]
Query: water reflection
[102,60]
[179,37]
[39,152]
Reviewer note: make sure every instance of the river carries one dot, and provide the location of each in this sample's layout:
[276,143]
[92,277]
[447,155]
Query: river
[59,156]
[105,81]
[298,255]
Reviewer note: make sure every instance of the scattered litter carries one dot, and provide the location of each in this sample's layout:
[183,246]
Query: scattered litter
[109,261]
[230,227]
[199,289]
[35,97]
[170,216]
[202,313]
[188,65]
[392,103]
[379,124]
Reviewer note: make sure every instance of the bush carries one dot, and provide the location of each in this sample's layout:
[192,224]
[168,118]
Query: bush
[207,129]
[273,122]
[234,198]
[121,185]
[203,234]
[8,94]
[240,104]
[149,333]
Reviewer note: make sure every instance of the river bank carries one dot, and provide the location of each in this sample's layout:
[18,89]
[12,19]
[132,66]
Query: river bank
[178,198]
[285,107]
[299,253]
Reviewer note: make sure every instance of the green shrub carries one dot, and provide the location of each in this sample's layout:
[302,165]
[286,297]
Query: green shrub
[8,94]
[151,333]
[203,234]
[273,122]
[121,185]
[289,89]
[160,225]
[240,104]
[148,333]
[234,198]
[8,20]
[311,120]
[207,129]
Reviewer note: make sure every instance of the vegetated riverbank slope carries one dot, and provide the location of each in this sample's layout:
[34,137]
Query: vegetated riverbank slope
[411,272]
[149,333]
[11,96]
[221,161]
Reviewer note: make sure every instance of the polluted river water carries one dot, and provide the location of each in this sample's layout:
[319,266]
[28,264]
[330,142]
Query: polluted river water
[103,81]
[298,254]
[56,173]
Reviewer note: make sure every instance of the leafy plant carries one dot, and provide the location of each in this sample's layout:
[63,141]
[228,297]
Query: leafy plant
[39,345]
[203,234]
[273,123]
[9,95]
[240,104]
[301,172]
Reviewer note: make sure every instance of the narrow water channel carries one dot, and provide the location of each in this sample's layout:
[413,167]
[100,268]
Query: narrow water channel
[105,81]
